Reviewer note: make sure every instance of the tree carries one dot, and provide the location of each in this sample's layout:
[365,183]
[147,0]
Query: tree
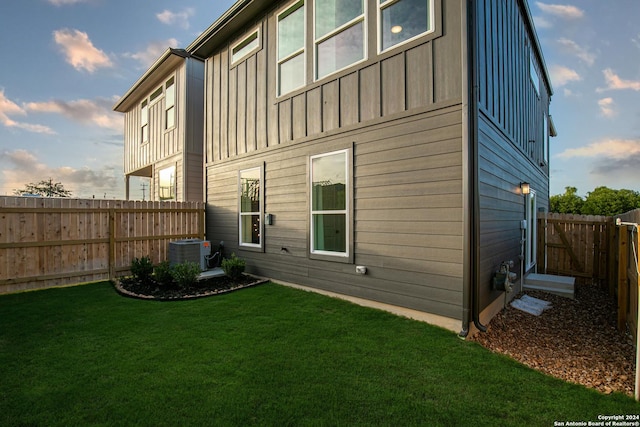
[569,202]
[44,188]
[605,201]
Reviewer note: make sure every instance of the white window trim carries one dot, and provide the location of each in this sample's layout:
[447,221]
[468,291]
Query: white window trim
[432,14]
[545,139]
[256,32]
[166,108]
[260,169]
[362,18]
[173,189]
[302,51]
[157,98]
[345,211]
[144,121]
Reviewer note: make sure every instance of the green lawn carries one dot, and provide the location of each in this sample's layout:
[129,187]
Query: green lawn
[268,355]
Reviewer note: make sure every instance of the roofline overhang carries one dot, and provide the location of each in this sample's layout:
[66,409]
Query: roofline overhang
[242,13]
[168,60]
[534,38]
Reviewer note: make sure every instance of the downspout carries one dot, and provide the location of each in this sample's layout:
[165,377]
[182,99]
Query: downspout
[473,194]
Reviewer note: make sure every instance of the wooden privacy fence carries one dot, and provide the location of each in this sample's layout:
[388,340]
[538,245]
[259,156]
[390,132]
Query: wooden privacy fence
[627,252]
[47,242]
[580,246]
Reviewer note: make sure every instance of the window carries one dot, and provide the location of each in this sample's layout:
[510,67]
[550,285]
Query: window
[330,204]
[404,20]
[144,121]
[291,58]
[155,95]
[245,47]
[250,207]
[169,104]
[535,78]
[167,187]
[545,139]
[339,35]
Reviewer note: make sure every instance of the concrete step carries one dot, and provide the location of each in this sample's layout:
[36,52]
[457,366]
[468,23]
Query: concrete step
[558,285]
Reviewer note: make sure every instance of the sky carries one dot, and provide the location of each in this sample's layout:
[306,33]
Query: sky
[67,62]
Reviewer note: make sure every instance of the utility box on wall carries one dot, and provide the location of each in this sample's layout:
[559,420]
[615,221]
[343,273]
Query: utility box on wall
[192,250]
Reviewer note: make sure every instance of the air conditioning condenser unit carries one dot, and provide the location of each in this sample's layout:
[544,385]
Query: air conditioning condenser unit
[192,250]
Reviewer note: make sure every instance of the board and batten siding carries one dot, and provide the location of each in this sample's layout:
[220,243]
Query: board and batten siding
[243,114]
[510,135]
[407,224]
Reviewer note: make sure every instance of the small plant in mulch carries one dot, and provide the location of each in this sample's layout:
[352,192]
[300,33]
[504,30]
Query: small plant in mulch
[142,269]
[233,267]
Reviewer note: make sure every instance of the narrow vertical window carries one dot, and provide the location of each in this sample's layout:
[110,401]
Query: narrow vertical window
[545,139]
[403,20]
[169,104]
[167,183]
[533,71]
[291,58]
[339,35]
[251,207]
[144,121]
[330,204]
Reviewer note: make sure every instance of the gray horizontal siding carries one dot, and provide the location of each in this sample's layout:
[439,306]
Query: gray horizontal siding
[407,214]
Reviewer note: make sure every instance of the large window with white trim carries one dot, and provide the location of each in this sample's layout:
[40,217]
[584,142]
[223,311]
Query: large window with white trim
[291,48]
[330,204]
[250,226]
[167,183]
[403,20]
[532,229]
[339,34]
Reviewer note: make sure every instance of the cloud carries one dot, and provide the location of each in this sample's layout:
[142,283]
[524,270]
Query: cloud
[561,11]
[89,112]
[21,167]
[152,52]
[614,82]
[80,51]
[636,41]
[66,2]
[607,107]
[542,22]
[560,75]
[181,19]
[10,108]
[618,149]
[575,49]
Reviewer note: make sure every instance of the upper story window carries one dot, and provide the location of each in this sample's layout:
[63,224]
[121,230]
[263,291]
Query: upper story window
[169,104]
[339,35]
[533,70]
[144,121]
[250,207]
[155,95]
[247,46]
[404,20]
[545,139]
[291,52]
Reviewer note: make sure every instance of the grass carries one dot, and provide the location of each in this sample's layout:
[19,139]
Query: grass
[269,355]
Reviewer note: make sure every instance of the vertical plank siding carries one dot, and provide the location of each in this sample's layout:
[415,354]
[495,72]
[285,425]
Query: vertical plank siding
[58,242]
[510,136]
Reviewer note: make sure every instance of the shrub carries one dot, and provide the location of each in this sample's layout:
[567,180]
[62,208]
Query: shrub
[185,274]
[142,269]
[162,273]
[233,267]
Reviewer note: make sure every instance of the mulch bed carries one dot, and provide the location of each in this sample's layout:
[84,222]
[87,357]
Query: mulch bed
[575,340]
[152,290]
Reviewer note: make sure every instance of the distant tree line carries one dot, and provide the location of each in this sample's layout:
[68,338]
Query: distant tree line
[600,201]
[44,188]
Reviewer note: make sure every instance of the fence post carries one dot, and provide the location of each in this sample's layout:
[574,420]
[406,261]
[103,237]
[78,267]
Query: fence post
[623,282]
[112,243]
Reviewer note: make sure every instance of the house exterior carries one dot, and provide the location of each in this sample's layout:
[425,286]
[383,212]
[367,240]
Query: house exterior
[163,138]
[378,148]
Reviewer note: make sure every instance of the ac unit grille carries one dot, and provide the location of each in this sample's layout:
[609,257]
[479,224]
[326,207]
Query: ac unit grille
[189,250]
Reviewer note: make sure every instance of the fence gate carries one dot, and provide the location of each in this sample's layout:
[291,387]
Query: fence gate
[580,246]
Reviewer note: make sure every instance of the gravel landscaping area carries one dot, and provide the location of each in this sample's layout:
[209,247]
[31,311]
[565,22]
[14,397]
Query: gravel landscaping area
[575,340]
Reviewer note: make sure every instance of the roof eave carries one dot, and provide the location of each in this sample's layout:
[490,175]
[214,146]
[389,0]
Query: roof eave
[122,104]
